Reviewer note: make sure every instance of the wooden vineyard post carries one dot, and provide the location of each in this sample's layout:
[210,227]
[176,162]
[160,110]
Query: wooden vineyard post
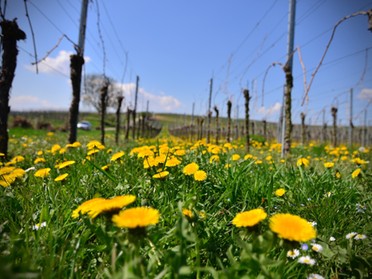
[247,98]
[229,105]
[117,129]
[303,128]
[10,35]
[103,110]
[217,124]
[334,134]
[287,110]
[76,66]
[129,112]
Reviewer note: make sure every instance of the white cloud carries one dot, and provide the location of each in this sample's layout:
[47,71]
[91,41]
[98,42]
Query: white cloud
[365,94]
[56,65]
[270,111]
[27,102]
[157,103]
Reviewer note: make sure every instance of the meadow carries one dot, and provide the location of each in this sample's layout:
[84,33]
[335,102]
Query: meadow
[167,208]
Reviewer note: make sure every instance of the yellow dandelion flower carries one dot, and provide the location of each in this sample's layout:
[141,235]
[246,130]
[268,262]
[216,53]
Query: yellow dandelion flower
[97,206]
[190,169]
[248,156]
[76,144]
[105,167]
[329,165]
[6,180]
[235,157]
[303,162]
[280,192]
[39,160]
[200,175]
[344,158]
[172,162]
[18,159]
[356,173]
[146,152]
[292,227]
[117,156]
[95,144]
[214,159]
[161,174]
[137,217]
[65,164]
[258,162]
[15,160]
[55,148]
[360,162]
[86,206]
[161,158]
[18,172]
[61,177]
[6,170]
[149,162]
[42,172]
[338,175]
[249,218]
[180,152]
[93,151]
[187,213]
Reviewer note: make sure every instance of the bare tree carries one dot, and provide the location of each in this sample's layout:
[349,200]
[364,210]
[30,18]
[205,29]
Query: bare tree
[92,88]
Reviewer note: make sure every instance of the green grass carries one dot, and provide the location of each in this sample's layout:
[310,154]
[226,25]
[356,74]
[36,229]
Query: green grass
[205,246]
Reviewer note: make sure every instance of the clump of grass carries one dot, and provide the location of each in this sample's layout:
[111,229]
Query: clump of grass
[198,196]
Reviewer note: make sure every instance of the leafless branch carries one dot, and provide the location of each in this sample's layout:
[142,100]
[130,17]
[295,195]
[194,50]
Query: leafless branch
[303,67]
[264,79]
[32,33]
[2,13]
[52,49]
[328,45]
[364,69]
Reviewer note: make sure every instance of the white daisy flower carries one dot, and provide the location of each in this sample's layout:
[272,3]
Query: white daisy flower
[316,247]
[360,236]
[39,226]
[315,276]
[351,235]
[293,253]
[306,260]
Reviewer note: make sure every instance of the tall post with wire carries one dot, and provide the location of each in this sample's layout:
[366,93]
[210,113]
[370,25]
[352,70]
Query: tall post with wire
[76,65]
[286,142]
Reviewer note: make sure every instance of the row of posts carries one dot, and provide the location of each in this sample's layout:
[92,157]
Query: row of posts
[269,131]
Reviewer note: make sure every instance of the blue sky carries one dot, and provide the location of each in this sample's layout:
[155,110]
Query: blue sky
[176,47]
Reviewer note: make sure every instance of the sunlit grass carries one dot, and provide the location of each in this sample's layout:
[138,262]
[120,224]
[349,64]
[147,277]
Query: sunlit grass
[194,199]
